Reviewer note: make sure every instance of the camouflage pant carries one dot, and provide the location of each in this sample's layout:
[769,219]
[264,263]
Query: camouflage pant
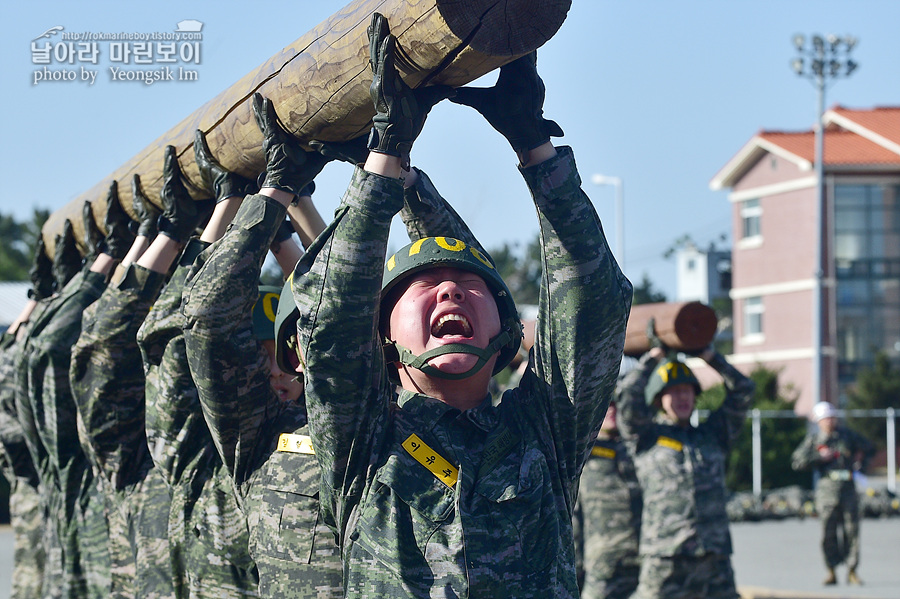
[618,585]
[28,520]
[838,510]
[707,577]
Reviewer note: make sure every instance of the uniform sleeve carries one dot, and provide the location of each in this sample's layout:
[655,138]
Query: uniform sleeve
[583,309]
[805,455]
[337,286]
[12,435]
[426,213]
[633,415]
[107,377]
[729,418]
[177,434]
[228,364]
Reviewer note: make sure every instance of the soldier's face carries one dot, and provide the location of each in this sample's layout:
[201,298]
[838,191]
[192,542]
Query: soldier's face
[441,306]
[287,386]
[609,422]
[827,425]
[677,402]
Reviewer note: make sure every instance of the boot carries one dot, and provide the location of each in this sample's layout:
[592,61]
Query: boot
[853,578]
[831,578]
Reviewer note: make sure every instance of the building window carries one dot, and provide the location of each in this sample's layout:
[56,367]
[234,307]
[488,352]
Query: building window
[751,212]
[753,317]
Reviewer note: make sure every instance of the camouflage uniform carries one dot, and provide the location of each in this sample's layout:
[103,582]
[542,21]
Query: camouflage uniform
[208,534]
[108,386]
[502,527]
[27,515]
[837,502]
[685,543]
[262,441]
[78,537]
[608,521]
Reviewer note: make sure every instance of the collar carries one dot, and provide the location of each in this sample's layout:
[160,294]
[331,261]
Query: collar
[429,410]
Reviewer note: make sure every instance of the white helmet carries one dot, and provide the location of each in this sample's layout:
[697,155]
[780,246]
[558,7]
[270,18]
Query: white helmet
[823,409]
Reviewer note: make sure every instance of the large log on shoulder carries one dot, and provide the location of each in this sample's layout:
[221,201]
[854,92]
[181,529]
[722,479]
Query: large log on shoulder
[320,85]
[683,326]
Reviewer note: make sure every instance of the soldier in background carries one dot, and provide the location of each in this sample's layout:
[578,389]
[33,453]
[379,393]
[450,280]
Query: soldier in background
[685,541]
[835,453]
[608,518]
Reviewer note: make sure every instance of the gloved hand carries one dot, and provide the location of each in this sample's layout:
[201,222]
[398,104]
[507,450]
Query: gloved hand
[66,259]
[654,340]
[354,151]
[288,166]
[514,106]
[119,237]
[221,183]
[400,111]
[147,213]
[180,214]
[41,272]
[93,236]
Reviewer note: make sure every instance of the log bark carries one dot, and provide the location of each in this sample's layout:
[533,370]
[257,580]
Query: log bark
[684,326]
[320,85]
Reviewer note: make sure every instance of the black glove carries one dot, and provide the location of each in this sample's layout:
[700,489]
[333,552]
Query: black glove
[66,259]
[514,106]
[221,183]
[180,214]
[400,111]
[147,213]
[652,337]
[41,272]
[288,166]
[355,151]
[93,236]
[119,237]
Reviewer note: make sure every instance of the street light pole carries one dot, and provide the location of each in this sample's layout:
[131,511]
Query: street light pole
[598,179]
[829,58]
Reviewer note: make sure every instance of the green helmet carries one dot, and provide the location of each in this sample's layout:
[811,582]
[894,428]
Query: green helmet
[264,311]
[668,374]
[433,252]
[285,327]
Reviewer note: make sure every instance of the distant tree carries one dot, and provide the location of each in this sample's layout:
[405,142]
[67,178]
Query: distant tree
[17,243]
[645,293]
[521,269]
[875,388]
[780,436]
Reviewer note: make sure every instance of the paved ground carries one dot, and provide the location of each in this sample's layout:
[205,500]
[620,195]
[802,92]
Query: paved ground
[772,560]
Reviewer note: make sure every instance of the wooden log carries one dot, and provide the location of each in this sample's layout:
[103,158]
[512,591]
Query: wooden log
[320,85]
[685,326]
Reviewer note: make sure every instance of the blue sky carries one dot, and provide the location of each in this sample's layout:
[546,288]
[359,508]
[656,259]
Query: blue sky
[661,93]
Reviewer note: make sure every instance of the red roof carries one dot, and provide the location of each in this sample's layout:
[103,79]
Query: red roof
[853,137]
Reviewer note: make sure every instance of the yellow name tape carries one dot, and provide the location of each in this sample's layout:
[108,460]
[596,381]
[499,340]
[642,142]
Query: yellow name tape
[443,470]
[293,443]
[670,443]
[603,452]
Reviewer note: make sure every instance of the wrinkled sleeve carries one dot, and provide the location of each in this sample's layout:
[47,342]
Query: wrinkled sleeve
[107,377]
[633,415]
[806,455]
[583,308]
[729,418]
[228,364]
[177,434]
[426,213]
[336,286]
[12,434]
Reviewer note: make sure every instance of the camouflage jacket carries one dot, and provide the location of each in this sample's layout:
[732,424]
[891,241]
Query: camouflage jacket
[682,468]
[850,452]
[608,515]
[262,442]
[502,524]
[207,533]
[15,459]
[107,382]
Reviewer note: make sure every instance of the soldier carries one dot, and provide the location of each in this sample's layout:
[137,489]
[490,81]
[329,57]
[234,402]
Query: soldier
[442,493]
[78,536]
[685,543]
[608,517]
[835,453]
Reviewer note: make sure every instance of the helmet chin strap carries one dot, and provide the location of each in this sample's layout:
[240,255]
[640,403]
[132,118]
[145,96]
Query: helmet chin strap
[394,352]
